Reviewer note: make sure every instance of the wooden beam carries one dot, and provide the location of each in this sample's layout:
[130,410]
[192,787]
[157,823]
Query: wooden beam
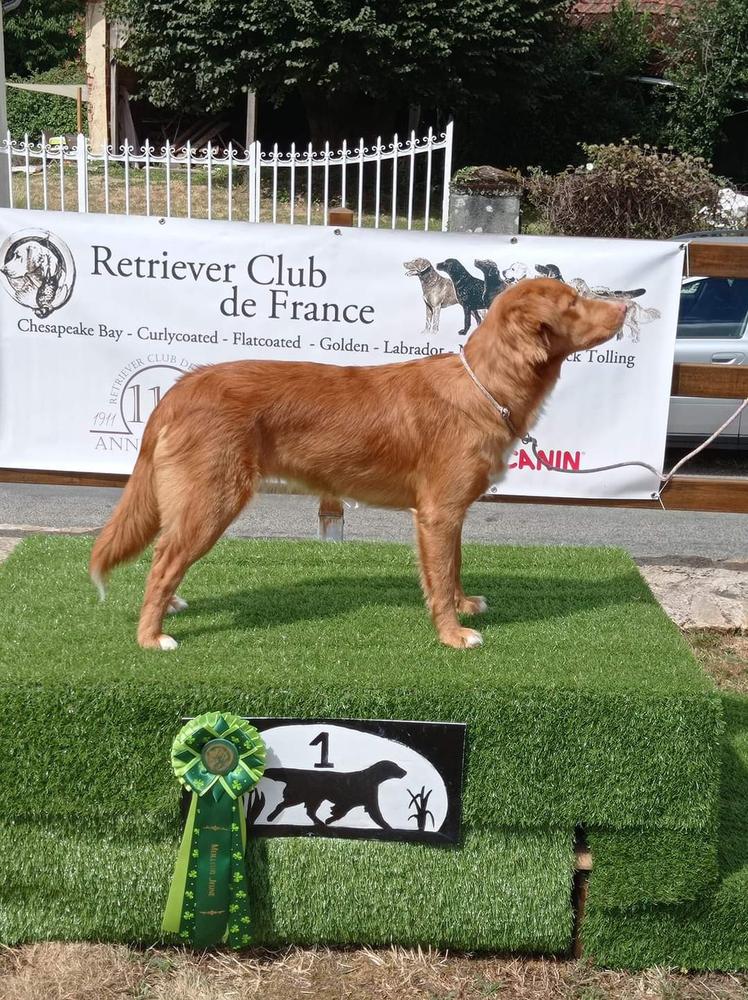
[49,477]
[717,259]
[719,494]
[710,381]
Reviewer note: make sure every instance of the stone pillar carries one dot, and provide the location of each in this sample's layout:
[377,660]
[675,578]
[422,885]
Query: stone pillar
[96,75]
[484,200]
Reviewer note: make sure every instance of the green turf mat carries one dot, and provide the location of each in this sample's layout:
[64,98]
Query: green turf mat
[712,932]
[498,891]
[646,866]
[584,705]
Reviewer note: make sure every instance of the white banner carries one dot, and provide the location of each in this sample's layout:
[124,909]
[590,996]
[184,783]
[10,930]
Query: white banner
[99,315]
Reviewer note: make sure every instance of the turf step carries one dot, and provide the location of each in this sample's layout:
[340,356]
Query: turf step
[584,706]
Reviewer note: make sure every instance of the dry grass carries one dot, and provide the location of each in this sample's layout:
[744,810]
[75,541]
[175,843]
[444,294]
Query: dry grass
[724,655]
[130,196]
[107,972]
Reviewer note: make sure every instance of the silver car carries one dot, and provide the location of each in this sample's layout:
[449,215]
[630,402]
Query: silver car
[713,330]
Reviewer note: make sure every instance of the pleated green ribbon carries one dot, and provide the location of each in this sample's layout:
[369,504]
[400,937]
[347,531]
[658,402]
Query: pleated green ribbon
[219,758]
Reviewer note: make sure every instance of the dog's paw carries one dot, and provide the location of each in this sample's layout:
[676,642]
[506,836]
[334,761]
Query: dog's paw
[165,642]
[472,605]
[463,638]
[176,604]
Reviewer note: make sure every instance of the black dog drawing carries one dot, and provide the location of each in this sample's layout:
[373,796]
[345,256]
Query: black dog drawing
[345,789]
[469,290]
[549,271]
[493,283]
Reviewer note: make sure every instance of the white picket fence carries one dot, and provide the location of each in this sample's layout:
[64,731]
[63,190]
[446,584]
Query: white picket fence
[401,184]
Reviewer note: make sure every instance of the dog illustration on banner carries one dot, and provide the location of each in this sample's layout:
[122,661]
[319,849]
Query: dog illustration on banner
[37,270]
[458,286]
[438,292]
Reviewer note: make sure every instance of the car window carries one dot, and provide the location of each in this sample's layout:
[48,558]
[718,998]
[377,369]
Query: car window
[714,307]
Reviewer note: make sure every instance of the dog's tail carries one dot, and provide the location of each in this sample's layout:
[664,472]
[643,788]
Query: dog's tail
[134,522]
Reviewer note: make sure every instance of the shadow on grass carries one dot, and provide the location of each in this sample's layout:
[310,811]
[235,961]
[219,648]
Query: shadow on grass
[512,599]
[733,811]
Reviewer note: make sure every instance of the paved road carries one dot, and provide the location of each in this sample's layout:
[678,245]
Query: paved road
[644,533]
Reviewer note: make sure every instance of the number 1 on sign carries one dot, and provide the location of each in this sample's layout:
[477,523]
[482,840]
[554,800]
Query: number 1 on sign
[324,740]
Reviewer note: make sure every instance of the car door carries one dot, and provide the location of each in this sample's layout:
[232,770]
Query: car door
[713,330]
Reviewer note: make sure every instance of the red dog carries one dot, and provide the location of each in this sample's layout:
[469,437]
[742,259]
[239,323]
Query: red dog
[417,435]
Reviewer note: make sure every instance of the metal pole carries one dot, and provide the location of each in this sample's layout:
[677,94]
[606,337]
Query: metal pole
[5,177]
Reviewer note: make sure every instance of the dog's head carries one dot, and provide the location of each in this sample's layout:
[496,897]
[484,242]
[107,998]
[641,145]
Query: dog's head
[30,260]
[514,273]
[452,267]
[386,769]
[549,271]
[488,267]
[548,320]
[417,266]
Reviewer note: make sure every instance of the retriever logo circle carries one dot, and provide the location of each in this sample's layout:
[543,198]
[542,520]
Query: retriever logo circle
[37,270]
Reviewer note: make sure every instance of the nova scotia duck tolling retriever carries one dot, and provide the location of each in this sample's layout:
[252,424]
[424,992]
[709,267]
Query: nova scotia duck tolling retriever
[419,435]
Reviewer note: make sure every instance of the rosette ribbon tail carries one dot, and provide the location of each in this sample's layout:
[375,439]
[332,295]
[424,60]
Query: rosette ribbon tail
[219,758]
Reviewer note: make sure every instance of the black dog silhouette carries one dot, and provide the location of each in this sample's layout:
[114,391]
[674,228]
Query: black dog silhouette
[345,789]
[468,289]
[494,284]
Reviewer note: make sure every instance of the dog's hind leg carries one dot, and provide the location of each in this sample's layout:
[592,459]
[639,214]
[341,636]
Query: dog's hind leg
[278,810]
[197,504]
[465,605]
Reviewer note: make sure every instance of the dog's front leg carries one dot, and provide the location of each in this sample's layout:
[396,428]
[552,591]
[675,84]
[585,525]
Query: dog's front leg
[438,534]
[468,316]
[435,317]
[429,318]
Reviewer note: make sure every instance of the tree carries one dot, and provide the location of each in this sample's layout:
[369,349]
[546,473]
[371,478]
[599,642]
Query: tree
[708,62]
[579,87]
[339,55]
[41,35]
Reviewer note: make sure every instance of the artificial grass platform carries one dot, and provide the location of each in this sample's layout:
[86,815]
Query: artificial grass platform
[585,706]
[709,932]
[500,890]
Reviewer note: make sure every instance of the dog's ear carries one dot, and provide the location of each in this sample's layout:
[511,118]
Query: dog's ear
[529,327]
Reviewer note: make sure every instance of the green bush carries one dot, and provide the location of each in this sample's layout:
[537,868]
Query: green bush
[627,191]
[36,113]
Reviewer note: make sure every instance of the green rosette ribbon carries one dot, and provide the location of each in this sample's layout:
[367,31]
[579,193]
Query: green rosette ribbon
[219,758]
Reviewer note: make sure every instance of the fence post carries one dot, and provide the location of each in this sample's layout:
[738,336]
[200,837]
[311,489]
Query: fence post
[331,520]
[447,173]
[81,156]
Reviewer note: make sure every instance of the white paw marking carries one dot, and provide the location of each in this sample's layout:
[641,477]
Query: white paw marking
[167,642]
[481,604]
[473,640]
[176,604]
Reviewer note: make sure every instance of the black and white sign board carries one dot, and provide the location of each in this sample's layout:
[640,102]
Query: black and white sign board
[365,779]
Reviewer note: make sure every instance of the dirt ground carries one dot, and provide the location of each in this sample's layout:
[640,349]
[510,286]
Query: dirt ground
[54,971]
